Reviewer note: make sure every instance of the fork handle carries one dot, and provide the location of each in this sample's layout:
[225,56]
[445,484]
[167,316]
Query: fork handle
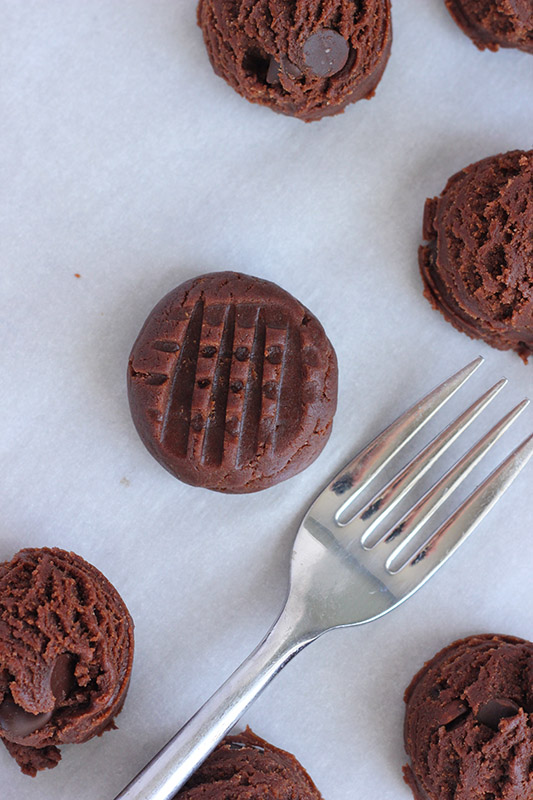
[166,773]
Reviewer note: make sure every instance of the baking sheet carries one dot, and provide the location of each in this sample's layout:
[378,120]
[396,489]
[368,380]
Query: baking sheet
[127,167]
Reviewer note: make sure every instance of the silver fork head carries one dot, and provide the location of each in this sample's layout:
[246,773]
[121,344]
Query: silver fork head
[341,572]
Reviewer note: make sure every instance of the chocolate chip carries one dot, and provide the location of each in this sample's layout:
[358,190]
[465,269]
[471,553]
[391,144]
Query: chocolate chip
[272,75]
[236,386]
[242,353]
[290,69]
[451,714]
[62,679]
[208,351]
[283,65]
[17,722]
[274,354]
[203,383]
[325,52]
[495,710]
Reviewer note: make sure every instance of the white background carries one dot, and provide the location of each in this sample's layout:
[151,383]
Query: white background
[125,159]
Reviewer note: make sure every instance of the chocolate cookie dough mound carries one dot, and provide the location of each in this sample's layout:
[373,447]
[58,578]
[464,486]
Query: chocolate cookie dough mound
[468,723]
[245,767]
[232,383]
[477,267]
[66,650]
[491,24]
[306,59]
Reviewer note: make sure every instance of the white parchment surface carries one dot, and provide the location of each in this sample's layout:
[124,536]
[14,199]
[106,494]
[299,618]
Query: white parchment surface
[126,167]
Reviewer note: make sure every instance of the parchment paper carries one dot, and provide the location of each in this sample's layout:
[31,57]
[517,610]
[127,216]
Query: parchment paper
[127,167]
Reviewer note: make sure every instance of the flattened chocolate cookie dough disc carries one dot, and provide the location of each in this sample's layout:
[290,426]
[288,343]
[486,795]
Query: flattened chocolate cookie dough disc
[245,767]
[66,651]
[308,60]
[468,722]
[477,266]
[493,24]
[232,383]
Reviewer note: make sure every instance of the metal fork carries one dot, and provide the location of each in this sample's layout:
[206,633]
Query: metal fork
[346,570]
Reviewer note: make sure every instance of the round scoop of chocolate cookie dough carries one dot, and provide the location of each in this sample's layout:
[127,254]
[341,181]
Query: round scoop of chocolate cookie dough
[477,266]
[66,650]
[232,383]
[308,60]
[491,24]
[245,767]
[468,722]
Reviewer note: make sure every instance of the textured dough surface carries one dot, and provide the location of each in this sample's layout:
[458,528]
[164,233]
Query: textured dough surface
[468,722]
[66,650]
[244,38]
[491,24]
[232,383]
[477,266]
[245,767]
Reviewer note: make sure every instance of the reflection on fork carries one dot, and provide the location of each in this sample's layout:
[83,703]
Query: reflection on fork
[349,566]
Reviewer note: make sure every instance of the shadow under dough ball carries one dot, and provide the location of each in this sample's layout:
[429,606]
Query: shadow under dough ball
[232,383]
[306,59]
[477,266]
[493,24]
[66,651]
[468,722]
[245,767]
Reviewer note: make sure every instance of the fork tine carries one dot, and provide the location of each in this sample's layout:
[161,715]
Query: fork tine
[372,514]
[452,533]
[376,455]
[409,525]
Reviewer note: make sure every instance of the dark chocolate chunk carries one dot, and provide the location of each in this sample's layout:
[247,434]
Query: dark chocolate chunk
[290,69]
[19,723]
[272,75]
[62,680]
[325,53]
[491,712]
[283,65]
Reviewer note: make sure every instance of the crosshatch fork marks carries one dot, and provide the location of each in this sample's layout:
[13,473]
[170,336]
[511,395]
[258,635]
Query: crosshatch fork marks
[177,420]
[269,411]
[251,414]
[288,412]
[213,447]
